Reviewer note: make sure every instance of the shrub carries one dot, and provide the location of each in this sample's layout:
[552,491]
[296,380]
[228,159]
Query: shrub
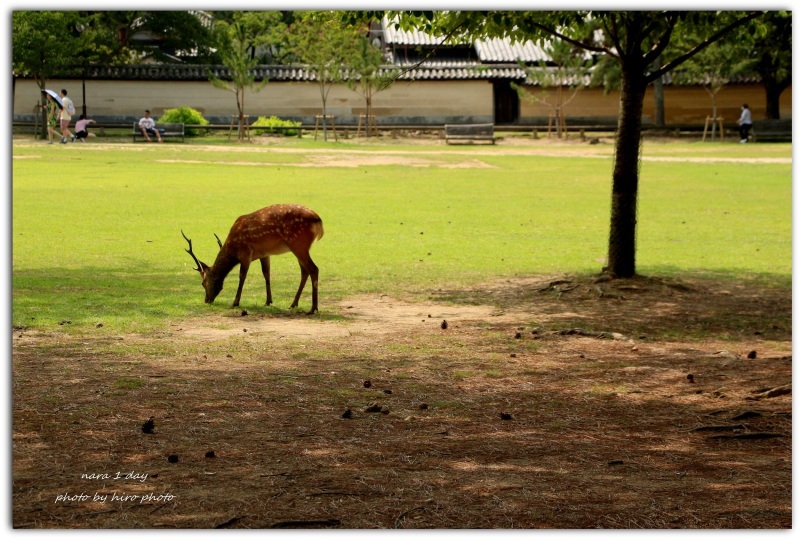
[267,125]
[184,115]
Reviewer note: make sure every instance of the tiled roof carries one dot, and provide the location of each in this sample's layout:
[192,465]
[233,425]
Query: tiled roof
[397,36]
[443,70]
[494,50]
[504,50]
[431,70]
[464,72]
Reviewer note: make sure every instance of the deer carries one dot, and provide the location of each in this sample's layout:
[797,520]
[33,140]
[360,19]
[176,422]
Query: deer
[270,231]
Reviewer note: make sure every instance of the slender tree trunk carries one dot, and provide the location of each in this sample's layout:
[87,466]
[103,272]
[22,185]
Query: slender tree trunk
[368,97]
[42,83]
[241,119]
[324,96]
[622,236]
[240,110]
[714,115]
[658,96]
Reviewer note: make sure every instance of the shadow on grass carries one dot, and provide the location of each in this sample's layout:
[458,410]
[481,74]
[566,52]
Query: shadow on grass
[695,305]
[139,299]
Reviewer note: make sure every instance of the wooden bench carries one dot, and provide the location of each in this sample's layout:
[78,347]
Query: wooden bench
[771,131]
[468,133]
[167,130]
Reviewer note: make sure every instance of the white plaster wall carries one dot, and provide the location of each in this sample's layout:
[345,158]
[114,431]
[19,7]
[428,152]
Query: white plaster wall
[435,101]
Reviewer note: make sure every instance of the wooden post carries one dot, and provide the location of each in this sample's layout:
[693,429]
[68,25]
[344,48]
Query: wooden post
[325,119]
[245,127]
[358,129]
[558,121]
[368,122]
[714,122]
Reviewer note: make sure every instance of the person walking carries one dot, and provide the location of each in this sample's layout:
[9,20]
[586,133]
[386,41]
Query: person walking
[67,110]
[745,122]
[52,119]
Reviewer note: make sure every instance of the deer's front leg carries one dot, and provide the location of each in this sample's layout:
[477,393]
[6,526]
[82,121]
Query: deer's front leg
[242,276]
[265,271]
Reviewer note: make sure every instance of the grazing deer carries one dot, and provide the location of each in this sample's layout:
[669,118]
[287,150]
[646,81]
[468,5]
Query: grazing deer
[273,230]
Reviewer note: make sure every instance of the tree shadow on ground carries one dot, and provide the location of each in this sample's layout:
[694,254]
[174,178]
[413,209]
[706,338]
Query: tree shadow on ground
[650,307]
[523,426]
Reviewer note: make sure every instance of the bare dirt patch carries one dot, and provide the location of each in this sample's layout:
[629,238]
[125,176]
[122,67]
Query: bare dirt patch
[349,161]
[365,315]
[545,402]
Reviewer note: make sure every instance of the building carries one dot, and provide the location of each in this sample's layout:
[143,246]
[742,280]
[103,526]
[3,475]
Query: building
[438,84]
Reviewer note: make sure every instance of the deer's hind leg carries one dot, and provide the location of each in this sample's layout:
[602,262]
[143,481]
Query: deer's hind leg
[265,271]
[307,268]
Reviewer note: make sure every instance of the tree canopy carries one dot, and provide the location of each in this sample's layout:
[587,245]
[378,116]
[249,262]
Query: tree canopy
[238,40]
[636,40]
[768,45]
[326,45]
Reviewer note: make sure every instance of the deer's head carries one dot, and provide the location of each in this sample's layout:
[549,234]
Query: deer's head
[212,285]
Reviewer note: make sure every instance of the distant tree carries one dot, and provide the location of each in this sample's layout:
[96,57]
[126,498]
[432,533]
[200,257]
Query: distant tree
[560,78]
[237,41]
[173,34]
[326,44]
[45,43]
[273,47]
[712,68]
[768,45]
[365,76]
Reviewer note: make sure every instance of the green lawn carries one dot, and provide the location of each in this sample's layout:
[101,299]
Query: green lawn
[96,228]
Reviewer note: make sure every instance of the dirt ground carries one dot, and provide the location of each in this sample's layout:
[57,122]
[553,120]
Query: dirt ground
[540,402]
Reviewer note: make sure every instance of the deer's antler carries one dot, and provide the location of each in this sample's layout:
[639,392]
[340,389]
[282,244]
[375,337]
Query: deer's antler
[189,250]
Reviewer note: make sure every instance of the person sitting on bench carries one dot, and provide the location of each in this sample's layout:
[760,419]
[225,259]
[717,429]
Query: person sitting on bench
[148,127]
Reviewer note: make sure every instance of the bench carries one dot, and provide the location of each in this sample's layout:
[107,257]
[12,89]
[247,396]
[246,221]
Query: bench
[468,133]
[167,130]
[771,131]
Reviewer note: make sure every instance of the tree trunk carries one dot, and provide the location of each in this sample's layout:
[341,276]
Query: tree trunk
[658,96]
[773,95]
[324,95]
[240,111]
[42,85]
[368,99]
[622,236]
[241,119]
[713,105]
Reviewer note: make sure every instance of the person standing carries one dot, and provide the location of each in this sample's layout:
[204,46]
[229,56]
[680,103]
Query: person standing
[81,131]
[67,110]
[148,127]
[745,122]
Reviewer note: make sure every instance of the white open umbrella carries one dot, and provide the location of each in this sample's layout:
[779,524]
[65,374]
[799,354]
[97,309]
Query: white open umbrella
[55,96]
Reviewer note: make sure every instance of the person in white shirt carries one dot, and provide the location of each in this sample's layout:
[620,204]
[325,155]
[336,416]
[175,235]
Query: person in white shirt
[745,122]
[66,105]
[148,127]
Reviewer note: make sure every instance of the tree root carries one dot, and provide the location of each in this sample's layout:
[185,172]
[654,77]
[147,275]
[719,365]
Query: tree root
[771,393]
